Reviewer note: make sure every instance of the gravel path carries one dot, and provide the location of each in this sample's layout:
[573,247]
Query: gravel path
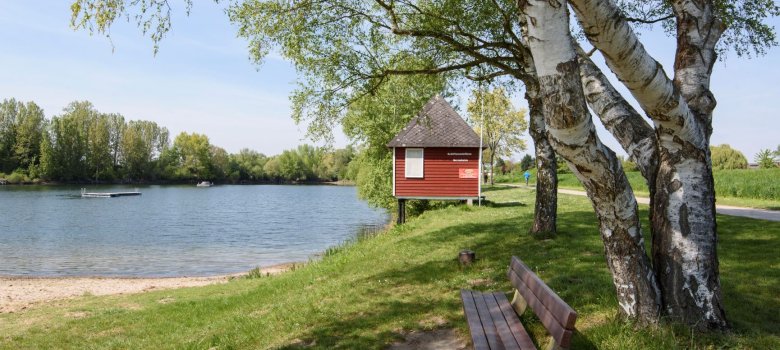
[761,214]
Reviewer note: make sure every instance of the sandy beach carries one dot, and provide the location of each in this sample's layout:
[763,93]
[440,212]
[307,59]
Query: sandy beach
[20,293]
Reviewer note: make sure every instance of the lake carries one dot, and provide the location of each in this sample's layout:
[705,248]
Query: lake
[174,230]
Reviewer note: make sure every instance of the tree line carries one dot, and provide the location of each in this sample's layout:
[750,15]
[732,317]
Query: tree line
[347,50]
[85,145]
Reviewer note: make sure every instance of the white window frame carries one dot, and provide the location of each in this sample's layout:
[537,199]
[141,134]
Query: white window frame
[422,164]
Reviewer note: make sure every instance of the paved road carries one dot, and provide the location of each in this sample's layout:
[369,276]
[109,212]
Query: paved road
[762,214]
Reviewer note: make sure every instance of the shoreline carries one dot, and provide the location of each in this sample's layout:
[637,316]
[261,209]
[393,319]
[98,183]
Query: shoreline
[175,183]
[19,293]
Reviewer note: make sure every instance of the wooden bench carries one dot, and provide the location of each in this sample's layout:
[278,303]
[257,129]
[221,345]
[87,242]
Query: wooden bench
[494,322]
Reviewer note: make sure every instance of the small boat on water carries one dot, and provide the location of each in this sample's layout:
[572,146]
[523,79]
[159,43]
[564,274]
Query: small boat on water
[205,184]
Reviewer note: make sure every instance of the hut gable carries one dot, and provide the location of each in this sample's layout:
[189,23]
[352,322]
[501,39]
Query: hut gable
[437,125]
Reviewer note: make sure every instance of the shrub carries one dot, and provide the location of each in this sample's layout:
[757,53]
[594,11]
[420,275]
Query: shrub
[17,178]
[629,165]
[526,163]
[765,159]
[724,157]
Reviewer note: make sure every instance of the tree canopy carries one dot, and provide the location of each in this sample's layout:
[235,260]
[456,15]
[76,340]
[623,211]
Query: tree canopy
[725,157]
[500,124]
[84,144]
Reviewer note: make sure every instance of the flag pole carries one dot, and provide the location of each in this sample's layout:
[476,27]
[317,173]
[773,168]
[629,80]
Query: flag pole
[481,131]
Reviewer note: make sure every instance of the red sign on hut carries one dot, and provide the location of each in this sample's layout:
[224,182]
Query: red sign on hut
[436,156]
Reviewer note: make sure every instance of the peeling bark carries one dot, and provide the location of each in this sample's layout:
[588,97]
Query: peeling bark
[546,202]
[644,77]
[698,32]
[633,133]
[546,206]
[685,246]
[573,136]
[684,228]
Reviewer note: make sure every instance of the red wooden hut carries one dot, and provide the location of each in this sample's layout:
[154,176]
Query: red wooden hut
[436,156]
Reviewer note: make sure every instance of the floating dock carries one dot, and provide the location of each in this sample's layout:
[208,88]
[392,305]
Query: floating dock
[85,194]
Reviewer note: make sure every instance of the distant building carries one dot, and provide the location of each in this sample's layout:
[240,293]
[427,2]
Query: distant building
[436,156]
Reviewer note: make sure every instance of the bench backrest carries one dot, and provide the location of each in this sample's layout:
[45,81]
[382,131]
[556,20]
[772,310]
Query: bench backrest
[557,316]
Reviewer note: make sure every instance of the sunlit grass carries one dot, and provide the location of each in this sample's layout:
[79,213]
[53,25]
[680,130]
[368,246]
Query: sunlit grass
[753,188]
[367,294]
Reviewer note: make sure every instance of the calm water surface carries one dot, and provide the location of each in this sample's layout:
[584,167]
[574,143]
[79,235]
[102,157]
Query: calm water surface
[173,230]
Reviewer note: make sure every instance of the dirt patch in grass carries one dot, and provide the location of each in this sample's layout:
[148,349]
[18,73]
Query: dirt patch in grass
[440,339]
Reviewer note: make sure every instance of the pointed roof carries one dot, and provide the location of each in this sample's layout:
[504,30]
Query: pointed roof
[437,125]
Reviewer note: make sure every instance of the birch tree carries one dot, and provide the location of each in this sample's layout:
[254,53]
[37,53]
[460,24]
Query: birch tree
[685,263]
[348,48]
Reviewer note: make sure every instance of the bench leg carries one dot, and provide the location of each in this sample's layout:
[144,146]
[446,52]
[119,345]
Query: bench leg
[519,303]
[553,345]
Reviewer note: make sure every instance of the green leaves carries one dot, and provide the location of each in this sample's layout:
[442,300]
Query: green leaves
[725,157]
[747,33]
[765,159]
[501,125]
[153,17]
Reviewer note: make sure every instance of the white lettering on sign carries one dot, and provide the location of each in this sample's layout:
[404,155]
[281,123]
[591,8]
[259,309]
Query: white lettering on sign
[459,154]
[460,160]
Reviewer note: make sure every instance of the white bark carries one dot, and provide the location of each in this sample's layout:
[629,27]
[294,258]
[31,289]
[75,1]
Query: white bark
[546,201]
[606,29]
[633,133]
[698,32]
[684,235]
[573,136]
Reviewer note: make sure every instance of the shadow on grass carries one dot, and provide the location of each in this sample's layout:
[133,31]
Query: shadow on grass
[350,332]
[506,204]
[572,264]
[582,283]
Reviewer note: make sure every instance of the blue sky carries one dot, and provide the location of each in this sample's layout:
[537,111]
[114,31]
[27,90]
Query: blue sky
[202,80]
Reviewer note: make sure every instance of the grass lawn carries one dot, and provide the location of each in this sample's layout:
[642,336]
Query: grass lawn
[752,188]
[367,294]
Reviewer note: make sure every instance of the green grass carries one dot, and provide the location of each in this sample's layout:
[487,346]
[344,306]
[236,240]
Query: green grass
[754,188]
[365,295]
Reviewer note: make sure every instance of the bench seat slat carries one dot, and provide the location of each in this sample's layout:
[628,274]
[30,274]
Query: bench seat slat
[502,327]
[556,330]
[518,331]
[487,322]
[494,323]
[478,336]
[562,312]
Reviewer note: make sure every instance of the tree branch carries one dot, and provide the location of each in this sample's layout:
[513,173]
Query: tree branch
[648,21]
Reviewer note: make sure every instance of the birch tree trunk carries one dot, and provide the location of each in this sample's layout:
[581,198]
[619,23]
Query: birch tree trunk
[634,134]
[492,167]
[546,204]
[684,228]
[573,136]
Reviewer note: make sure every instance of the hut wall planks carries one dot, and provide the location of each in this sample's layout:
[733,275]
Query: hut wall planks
[448,172]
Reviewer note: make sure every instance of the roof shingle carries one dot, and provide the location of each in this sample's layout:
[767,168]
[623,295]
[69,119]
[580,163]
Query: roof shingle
[437,125]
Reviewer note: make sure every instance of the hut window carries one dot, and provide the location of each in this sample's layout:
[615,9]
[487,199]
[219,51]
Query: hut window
[414,162]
